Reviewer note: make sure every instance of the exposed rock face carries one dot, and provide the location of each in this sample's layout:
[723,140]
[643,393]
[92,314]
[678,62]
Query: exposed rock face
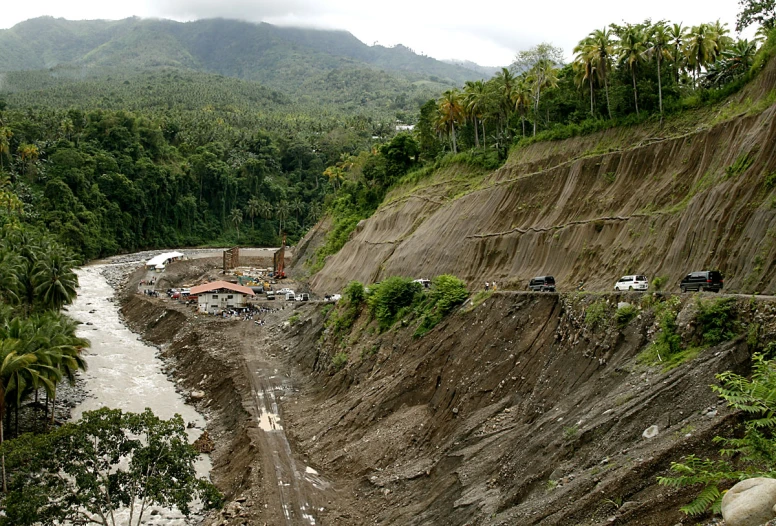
[656,201]
[751,502]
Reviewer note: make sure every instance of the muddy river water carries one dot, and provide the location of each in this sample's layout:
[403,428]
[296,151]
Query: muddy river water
[125,373]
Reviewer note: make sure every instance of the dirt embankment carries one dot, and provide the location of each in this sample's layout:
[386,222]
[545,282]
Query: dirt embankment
[515,412]
[662,202]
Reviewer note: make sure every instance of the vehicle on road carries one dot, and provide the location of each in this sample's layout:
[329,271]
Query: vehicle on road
[290,296]
[270,295]
[542,284]
[710,280]
[303,296]
[284,290]
[635,282]
[425,282]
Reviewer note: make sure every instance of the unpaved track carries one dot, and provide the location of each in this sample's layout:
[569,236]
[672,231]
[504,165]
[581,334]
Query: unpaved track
[292,487]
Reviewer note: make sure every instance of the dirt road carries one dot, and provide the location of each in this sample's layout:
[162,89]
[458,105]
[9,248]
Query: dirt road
[298,489]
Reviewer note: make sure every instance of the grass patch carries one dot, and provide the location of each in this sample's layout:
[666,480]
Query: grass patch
[625,315]
[596,314]
[339,360]
[293,320]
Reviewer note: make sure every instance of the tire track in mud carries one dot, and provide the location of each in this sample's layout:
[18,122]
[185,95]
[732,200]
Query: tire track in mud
[297,490]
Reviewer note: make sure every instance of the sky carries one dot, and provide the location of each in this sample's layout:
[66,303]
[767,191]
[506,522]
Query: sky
[488,32]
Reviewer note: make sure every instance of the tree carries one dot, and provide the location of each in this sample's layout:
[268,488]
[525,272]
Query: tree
[84,472]
[521,98]
[265,209]
[450,113]
[253,208]
[5,148]
[474,98]
[658,46]
[602,47]
[700,48]
[28,153]
[282,209]
[761,12]
[53,280]
[677,37]
[12,363]
[632,48]
[540,63]
[236,217]
[734,62]
[584,67]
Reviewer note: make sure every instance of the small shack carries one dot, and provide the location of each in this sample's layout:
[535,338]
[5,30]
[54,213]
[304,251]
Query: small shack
[162,260]
[221,295]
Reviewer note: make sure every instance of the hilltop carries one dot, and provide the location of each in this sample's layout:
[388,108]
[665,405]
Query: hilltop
[279,57]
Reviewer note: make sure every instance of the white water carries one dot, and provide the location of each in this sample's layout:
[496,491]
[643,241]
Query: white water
[125,373]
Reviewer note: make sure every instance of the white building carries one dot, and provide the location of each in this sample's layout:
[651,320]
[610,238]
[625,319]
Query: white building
[161,261]
[221,295]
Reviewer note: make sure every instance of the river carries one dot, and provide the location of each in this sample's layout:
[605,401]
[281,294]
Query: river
[125,373]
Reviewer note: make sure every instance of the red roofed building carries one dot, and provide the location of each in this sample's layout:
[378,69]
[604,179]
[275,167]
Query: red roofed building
[220,295]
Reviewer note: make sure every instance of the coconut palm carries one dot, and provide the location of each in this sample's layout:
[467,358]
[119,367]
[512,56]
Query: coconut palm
[602,48]
[253,208]
[543,75]
[677,41]
[632,46]
[265,210]
[474,100]
[12,364]
[450,113]
[584,67]
[722,40]
[297,206]
[658,45]
[5,144]
[53,280]
[700,48]
[521,98]
[236,217]
[282,209]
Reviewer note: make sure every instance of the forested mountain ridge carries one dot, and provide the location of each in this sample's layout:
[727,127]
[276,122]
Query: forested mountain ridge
[273,55]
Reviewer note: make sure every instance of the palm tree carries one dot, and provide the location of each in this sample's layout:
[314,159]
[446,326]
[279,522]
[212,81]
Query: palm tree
[28,153]
[602,48]
[12,363]
[236,217]
[734,62]
[721,39]
[282,209]
[11,268]
[657,46]
[474,99]
[677,39]
[451,112]
[700,48]
[632,47]
[542,75]
[297,206]
[265,210]
[253,208]
[521,98]
[505,82]
[5,145]
[584,67]
[53,280]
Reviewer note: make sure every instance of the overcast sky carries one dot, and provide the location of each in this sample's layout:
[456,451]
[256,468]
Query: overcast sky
[488,32]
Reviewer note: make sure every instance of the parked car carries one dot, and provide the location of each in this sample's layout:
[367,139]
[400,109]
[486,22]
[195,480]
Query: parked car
[284,290]
[290,296]
[542,284]
[637,282]
[703,280]
[303,296]
[270,295]
[425,282]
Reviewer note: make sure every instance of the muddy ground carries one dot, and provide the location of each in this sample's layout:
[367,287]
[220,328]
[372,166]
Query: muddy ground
[512,411]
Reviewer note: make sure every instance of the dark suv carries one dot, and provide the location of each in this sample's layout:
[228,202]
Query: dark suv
[705,280]
[542,284]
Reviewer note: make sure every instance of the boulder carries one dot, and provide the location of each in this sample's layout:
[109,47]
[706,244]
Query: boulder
[750,502]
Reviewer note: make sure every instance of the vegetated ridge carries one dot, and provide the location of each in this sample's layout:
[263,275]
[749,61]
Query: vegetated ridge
[698,193]
[270,54]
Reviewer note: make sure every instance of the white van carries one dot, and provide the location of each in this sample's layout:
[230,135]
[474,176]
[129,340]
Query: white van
[290,296]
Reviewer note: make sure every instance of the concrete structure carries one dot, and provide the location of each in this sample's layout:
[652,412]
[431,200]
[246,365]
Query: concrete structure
[161,261]
[221,295]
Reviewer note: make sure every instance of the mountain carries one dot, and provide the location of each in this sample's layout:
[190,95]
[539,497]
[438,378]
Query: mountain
[486,71]
[279,57]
